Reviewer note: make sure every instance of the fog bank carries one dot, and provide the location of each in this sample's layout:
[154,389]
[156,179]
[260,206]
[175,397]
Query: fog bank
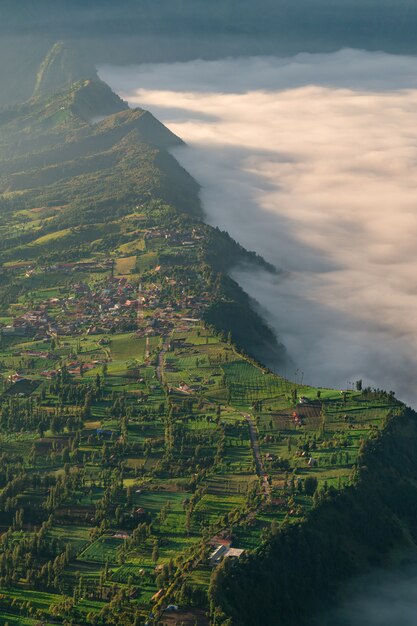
[312,162]
[380,599]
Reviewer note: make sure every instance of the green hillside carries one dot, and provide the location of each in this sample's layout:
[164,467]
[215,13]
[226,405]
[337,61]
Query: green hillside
[369,525]
[153,470]
[80,161]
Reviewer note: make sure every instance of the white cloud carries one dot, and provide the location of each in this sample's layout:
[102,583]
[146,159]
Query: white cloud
[312,162]
[378,599]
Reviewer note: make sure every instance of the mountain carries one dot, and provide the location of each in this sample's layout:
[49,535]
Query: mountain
[60,68]
[143,439]
[61,144]
[80,148]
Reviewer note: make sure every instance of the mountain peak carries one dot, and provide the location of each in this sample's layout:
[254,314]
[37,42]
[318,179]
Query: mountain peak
[61,67]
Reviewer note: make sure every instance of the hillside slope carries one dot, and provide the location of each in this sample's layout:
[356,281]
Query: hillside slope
[81,152]
[141,444]
[346,534]
[60,68]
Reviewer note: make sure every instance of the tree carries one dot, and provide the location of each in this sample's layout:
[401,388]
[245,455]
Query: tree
[155,551]
[310,485]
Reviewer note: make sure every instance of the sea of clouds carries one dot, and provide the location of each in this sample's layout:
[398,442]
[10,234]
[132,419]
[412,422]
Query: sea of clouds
[312,162]
[379,599]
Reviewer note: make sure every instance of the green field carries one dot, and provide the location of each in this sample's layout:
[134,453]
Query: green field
[138,432]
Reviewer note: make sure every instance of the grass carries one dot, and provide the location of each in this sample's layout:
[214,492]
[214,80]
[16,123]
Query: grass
[125,265]
[104,548]
[224,387]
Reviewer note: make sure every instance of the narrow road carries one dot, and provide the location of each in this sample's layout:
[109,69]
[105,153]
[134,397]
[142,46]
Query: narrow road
[256,451]
[161,356]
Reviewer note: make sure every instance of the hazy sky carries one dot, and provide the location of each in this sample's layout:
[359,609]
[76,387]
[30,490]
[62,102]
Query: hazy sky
[312,162]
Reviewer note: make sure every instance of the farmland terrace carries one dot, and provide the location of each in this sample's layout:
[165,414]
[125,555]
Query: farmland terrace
[136,434]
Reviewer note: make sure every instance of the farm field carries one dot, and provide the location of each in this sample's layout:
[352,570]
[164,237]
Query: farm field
[153,459]
[142,444]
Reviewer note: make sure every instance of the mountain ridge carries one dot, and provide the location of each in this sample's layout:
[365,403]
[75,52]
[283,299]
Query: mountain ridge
[143,438]
[61,67]
[64,148]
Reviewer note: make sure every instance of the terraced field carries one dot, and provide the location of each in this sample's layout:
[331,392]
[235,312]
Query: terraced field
[136,435]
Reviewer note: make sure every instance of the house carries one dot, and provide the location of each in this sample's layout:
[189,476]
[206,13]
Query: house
[224,552]
[37,353]
[16,329]
[184,388]
[234,553]
[49,374]
[297,419]
[121,535]
[140,511]
[16,378]
[217,555]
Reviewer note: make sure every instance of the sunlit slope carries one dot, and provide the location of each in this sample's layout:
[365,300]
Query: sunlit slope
[85,178]
[84,143]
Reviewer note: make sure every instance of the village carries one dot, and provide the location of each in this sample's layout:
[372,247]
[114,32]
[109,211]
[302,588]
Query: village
[177,452]
[154,439]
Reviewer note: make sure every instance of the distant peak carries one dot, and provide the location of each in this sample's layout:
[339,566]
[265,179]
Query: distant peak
[61,67]
[94,100]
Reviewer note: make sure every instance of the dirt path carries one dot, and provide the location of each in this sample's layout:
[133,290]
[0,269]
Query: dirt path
[161,357]
[256,451]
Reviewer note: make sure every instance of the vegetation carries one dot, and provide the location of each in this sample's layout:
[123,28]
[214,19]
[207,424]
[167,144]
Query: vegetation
[149,467]
[362,526]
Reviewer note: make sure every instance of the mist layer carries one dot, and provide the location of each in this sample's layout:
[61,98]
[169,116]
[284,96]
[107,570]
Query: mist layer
[379,599]
[312,162]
